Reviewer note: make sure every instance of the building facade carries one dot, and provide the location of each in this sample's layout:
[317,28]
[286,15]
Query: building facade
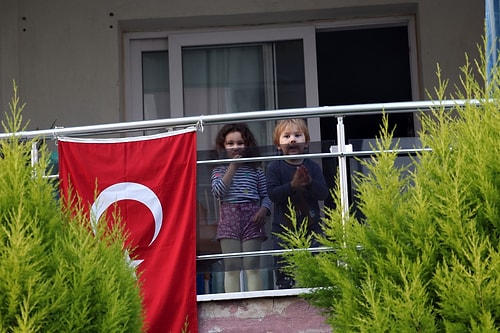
[82,63]
[92,62]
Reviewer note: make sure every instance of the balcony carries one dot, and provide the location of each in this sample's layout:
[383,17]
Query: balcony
[269,308]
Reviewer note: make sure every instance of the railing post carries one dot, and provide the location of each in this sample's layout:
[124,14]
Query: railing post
[34,156]
[342,149]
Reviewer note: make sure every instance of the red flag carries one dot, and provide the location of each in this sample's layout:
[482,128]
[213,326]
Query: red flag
[152,181]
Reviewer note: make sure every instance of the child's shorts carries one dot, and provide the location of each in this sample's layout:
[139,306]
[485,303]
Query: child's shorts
[235,221]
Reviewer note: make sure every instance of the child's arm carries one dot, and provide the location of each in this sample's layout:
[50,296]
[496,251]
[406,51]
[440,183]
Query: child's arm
[222,177]
[219,186]
[317,188]
[301,179]
[262,190]
[278,189]
[260,217]
[230,171]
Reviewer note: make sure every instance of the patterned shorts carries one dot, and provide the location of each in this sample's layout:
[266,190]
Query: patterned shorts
[235,221]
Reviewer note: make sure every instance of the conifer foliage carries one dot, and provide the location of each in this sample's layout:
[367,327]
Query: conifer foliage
[425,255]
[55,275]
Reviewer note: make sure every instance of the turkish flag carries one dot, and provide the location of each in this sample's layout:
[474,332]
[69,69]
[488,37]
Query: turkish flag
[152,182]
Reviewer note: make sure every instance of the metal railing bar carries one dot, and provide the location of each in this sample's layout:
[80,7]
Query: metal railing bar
[269,158]
[301,156]
[315,155]
[260,253]
[323,111]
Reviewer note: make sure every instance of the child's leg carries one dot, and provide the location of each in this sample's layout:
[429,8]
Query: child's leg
[232,266]
[251,264]
[283,280]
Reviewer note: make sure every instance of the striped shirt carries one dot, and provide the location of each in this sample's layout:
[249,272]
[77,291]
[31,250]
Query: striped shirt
[248,185]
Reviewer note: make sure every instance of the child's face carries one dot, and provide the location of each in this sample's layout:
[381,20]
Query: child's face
[234,144]
[292,141]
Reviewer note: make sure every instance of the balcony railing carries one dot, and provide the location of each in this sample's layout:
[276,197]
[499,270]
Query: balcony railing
[341,152]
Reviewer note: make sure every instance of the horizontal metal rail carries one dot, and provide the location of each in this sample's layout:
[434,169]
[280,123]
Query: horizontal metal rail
[408,151]
[260,253]
[172,123]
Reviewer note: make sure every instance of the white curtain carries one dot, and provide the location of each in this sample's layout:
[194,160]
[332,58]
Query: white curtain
[225,79]
[156,90]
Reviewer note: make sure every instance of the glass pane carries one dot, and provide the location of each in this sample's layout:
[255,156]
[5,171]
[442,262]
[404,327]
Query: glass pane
[290,75]
[223,79]
[155,83]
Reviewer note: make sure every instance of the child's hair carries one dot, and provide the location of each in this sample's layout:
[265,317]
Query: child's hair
[251,148]
[281,125]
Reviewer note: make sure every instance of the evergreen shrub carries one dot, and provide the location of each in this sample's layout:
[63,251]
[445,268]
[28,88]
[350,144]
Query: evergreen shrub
[55,275]
[424,256]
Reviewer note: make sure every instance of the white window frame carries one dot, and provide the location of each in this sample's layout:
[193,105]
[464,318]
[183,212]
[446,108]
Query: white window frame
[177,41]
[135,43]
[133,85]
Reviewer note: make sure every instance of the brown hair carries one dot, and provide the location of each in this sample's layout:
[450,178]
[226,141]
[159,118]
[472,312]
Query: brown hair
[251,148]
[281,125]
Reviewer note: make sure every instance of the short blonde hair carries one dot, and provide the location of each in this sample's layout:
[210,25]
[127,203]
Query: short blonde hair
[281,126]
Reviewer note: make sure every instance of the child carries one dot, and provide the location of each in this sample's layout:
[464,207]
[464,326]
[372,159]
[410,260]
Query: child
[301,180]
[244,205]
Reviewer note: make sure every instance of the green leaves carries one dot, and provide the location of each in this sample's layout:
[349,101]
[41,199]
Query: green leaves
[55,275]
[425,256]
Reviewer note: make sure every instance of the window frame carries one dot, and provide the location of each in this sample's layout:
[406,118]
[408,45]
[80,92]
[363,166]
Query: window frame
[174,41]
[133,49]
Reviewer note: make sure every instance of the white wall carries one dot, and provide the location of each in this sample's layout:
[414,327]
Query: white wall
[66,55]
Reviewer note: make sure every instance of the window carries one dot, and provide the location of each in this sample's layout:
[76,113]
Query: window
[197,73]
[147,91]
[220,72]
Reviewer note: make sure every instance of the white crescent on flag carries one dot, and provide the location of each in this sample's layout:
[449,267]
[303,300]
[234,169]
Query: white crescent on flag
[128,191]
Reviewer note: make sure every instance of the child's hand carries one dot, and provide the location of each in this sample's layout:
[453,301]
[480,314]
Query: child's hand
[260,217]
[236,164]
[301,178]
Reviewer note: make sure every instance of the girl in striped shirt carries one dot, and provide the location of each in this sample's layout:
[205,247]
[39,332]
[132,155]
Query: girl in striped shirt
[244,205]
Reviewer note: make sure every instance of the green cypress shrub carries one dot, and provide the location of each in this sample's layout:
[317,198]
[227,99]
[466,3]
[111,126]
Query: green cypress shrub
[55,274]
[425,255]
